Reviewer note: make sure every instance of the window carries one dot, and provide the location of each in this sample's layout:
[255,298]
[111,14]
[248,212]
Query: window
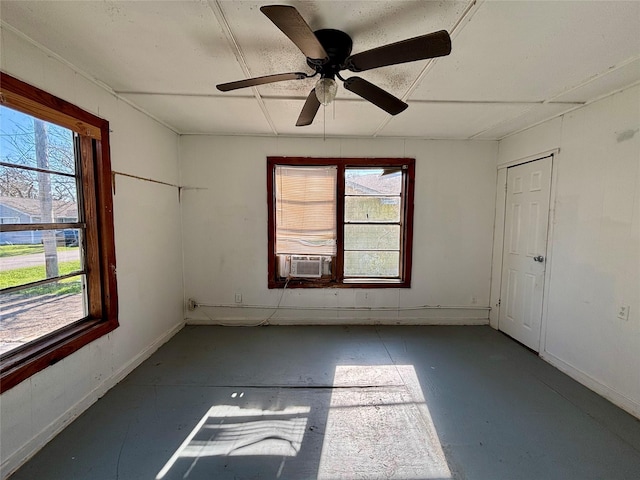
[57,281]
[340,222]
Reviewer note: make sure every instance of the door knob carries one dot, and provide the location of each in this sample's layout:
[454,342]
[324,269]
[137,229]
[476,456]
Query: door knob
[539,258]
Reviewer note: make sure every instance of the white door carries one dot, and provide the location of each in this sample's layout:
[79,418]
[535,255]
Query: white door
[524,251]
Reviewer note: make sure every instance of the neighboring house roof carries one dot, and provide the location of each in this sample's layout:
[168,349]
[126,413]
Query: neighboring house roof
[374,184]
[31,207]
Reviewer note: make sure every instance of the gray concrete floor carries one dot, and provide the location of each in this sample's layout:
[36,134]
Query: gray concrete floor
[336,403]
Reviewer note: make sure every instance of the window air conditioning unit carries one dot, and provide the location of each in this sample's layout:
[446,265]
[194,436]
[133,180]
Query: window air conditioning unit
[307,267]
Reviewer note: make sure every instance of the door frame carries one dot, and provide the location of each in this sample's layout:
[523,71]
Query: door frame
[499,234]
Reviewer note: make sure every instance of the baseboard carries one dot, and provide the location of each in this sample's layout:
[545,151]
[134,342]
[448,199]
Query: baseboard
[239,322]
[432,316]
[625,403]
[18,458]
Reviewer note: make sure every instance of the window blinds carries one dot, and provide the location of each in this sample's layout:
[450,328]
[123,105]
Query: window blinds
[305,210]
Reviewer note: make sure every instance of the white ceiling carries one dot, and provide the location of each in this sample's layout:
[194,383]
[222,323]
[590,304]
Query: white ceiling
[513,63]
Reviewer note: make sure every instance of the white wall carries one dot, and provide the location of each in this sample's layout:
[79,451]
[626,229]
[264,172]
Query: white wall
[595,244]
[148,258]
[594,261]
[225,232]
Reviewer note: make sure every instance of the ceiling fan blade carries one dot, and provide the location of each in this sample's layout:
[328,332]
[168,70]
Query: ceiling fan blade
[375,95]
[309,110]
[289,20]
[252,82]
[436,44]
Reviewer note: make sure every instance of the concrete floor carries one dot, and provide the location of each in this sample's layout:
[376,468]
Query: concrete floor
[338,403]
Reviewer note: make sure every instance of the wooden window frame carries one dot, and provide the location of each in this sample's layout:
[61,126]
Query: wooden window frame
[338,280]
[102,298]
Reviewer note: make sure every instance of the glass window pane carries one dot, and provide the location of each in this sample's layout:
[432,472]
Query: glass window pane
[371,264]
[372,237]
[20,135]
[372,209]
[23,259]
[36,197]
[31,313]
[373,181]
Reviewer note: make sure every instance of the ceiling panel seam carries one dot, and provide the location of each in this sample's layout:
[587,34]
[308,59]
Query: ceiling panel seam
[356,100]
[576,105]
[507,120]
[215,7]
[85,75]
[595,77]
[546,119]
[570,106]
[495,102]
[593,100]
[319,136]
[467,14]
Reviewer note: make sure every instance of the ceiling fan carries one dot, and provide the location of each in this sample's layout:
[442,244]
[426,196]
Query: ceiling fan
[328,52]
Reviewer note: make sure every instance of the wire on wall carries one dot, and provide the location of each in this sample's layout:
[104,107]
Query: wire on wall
[352,309]
[260,324]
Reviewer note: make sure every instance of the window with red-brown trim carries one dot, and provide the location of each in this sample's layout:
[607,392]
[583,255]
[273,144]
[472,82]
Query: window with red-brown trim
[340,222]
[62,210]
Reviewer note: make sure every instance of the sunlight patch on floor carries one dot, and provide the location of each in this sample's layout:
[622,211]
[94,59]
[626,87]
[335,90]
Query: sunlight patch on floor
[382,430]
[227,430]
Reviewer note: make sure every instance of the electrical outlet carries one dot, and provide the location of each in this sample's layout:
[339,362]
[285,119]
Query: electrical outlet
[238,298]
[623,312]
[191,304]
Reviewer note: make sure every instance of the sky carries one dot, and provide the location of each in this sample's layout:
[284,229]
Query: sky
[17,127]
[11,122]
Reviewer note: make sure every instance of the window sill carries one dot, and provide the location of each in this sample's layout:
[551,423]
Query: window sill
[23,363]
[375,281]
[347,283]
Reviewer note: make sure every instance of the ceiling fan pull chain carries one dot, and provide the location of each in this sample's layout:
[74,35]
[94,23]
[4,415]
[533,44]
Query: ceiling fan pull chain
[324,123]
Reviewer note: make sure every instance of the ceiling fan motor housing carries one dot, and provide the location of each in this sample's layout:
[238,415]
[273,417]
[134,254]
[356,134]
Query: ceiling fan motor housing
[338,46]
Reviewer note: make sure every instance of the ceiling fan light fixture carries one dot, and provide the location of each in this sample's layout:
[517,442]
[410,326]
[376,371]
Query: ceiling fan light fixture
[326,89]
